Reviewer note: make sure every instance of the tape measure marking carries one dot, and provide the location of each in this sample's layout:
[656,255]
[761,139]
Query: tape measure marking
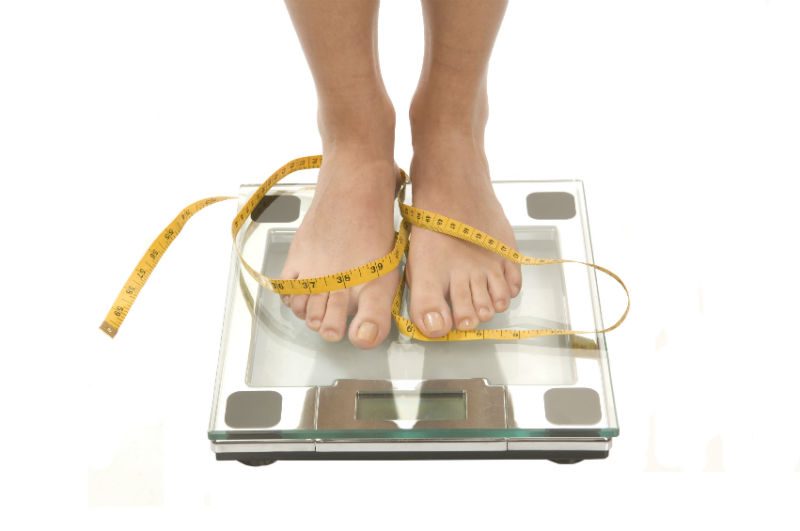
[137,279]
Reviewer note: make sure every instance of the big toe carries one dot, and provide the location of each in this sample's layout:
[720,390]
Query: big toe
[428,308]
[372,321]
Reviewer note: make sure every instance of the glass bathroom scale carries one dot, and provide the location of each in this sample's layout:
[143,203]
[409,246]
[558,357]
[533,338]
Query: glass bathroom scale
[282,392]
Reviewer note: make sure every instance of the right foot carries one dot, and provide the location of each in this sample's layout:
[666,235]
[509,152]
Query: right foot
[350,222]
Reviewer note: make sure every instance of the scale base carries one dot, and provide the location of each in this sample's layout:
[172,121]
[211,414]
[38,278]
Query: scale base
[267,458]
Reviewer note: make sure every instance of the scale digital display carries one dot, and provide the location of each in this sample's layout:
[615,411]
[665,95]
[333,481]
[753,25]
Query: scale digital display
[410,405]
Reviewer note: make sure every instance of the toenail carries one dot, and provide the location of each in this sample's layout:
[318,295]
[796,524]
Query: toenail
[330,335]
[500,305]
[314,323]
[484,313]
[433,322]
[367,331]
[465,323]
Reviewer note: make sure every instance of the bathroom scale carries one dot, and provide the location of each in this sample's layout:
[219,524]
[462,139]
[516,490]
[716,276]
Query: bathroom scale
[284,393]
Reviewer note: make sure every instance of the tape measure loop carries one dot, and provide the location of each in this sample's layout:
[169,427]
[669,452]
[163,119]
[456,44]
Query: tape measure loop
[353,277]
[440,223]
[312,285]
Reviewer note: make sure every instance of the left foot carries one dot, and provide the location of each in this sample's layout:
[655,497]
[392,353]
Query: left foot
[453,283]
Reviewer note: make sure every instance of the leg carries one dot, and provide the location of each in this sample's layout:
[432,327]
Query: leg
[350,220]
[450,173]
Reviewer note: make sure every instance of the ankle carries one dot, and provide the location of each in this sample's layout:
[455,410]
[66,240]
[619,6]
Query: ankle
[434,118]
[364,123]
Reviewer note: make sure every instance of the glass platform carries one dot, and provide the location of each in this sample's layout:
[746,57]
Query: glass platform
[283,391]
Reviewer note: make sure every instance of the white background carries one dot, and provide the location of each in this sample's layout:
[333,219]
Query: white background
[681,116]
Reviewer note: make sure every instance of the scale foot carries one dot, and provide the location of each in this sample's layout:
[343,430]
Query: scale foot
[256,462]
[563,461]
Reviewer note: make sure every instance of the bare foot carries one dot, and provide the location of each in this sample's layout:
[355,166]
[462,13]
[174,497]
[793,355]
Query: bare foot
[455,284]
[350,222]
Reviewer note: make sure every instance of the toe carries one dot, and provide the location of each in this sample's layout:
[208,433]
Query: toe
[332,327]
[513,274]
[464,315]
[481,299]
[372,321]
[315,310]
[298,305]
[428,308]
[498,290]
[288,272]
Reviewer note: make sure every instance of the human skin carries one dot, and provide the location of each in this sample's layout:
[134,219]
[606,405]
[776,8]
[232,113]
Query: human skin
[452,283]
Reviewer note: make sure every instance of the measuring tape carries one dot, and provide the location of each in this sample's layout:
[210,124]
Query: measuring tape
[351,277]
[444,225]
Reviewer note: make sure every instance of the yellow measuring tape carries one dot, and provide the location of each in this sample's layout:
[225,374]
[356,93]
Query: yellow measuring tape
[352,277]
